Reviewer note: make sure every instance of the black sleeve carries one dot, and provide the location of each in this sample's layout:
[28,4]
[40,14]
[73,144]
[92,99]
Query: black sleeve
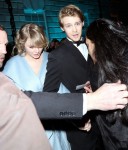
[53,75]
[57,106]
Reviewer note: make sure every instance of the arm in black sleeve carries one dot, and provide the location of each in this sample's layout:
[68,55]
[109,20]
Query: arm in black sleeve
[57,106]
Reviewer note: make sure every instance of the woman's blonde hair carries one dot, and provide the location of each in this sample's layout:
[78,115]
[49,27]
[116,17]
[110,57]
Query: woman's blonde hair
[33,32]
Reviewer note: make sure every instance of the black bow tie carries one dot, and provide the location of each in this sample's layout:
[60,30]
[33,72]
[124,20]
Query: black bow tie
[78,42]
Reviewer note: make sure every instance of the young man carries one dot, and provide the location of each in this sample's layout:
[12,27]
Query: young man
[69,65]
[19,123]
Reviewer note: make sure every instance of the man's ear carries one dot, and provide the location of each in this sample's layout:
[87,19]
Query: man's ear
[62,29]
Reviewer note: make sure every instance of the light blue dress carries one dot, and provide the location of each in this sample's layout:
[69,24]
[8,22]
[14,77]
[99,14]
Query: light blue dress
[23,76]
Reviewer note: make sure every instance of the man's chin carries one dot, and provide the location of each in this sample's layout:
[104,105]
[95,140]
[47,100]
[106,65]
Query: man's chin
[76,39]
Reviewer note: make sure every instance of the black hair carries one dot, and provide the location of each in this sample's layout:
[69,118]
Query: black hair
[111,53]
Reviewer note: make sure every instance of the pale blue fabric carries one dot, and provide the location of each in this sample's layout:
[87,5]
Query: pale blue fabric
[23,76]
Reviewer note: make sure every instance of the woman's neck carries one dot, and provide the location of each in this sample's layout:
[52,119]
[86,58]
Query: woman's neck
[35,64]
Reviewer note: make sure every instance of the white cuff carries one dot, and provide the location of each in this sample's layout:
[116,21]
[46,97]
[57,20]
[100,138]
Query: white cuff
[84,104]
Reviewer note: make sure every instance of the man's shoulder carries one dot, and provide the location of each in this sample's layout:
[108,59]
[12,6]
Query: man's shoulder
[58,51]
[62,49]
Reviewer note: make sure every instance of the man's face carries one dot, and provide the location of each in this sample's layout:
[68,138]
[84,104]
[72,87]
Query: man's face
[3,43]
[72,25]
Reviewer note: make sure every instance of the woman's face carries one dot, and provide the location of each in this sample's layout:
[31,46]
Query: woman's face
[91,49]
[33,52]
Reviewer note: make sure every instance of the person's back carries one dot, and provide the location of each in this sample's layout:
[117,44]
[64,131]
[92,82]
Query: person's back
[19,123]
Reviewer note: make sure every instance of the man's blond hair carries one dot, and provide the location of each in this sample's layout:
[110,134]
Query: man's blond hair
[70,10]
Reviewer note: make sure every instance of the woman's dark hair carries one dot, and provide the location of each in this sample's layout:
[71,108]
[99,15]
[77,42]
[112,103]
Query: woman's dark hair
[111,53]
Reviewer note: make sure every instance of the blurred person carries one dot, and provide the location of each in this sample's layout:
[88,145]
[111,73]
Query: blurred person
[53,45]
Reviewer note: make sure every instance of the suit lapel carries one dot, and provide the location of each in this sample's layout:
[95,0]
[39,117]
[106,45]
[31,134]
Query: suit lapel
[75,52]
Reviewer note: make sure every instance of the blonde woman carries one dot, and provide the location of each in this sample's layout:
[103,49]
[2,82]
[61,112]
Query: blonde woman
[28,69]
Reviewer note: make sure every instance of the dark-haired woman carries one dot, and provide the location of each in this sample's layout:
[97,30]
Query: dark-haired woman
[108,46]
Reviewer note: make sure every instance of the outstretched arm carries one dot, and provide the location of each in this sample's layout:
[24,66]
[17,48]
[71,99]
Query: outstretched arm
[75,105]
[57,106]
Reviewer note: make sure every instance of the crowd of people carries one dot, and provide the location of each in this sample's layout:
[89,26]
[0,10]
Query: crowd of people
[82,81]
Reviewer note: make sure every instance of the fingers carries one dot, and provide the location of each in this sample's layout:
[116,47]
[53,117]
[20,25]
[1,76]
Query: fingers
[122,98]
[87,87]
[120,106]
[124,93]
[114,86]
[119,87]
[115,90]
[122,87]
[118,103]
[118,81]
[88,90]
[87,126]
[87,83]
[123,101]
[109,96]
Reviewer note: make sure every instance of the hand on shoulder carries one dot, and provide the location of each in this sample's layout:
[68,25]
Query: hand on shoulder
[109,96]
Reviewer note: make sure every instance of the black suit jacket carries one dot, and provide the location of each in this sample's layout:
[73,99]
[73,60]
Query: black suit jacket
[68,66]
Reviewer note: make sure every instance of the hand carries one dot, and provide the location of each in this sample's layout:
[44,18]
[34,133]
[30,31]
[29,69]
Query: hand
[87,126]
[109,96]
[88,88]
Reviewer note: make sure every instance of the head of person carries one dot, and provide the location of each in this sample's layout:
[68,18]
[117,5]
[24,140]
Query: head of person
[71,20]
[30,40]
[107,44]
[54,44]
[3,43]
